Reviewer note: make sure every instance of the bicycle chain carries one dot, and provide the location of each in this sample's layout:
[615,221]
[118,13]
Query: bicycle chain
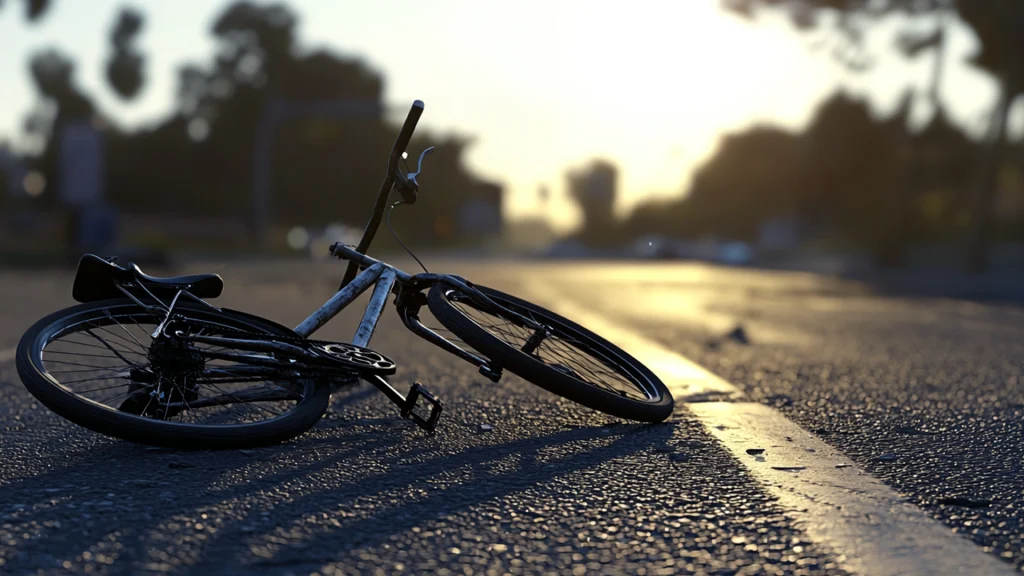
[372,362]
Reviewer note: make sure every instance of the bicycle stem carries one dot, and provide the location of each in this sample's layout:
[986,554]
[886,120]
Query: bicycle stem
[401,143]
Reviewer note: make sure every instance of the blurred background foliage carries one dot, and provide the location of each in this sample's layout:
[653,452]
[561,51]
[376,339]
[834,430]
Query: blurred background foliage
[851,180]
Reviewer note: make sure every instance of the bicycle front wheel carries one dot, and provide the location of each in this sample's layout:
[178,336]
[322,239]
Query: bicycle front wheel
[98,366]
[570,361]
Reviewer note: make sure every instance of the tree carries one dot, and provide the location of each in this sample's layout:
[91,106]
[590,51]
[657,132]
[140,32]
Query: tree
[62,102]
[124,69]
[752,177]
[322,169]
[835,177]
[34,9]
[997,24]
[200,160]
[594,188]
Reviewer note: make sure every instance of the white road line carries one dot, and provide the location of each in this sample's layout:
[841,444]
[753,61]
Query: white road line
[867,526]
[7,354]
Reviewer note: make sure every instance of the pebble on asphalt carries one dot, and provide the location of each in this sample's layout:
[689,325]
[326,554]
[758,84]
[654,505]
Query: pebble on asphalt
[738,335]
[486,427]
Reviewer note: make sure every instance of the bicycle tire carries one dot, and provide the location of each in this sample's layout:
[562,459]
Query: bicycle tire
[533,369]
[106,420]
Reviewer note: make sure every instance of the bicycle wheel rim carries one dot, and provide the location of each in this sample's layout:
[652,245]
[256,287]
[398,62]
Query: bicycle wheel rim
[104,418]
[603,357]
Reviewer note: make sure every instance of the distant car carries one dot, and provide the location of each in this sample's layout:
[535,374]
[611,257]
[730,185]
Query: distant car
[567,249]
[657,247]
[735,253]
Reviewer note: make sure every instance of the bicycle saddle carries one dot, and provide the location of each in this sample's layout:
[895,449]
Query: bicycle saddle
[97,279]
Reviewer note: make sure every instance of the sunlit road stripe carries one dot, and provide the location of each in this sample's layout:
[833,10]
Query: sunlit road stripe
[869,528]
[7,354]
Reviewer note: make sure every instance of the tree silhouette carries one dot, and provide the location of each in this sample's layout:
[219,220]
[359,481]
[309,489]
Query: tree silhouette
[199,162]
[997,24]
[34,9]
[62,102]
[124,69]
[594,188]
[323,169]
[839,177]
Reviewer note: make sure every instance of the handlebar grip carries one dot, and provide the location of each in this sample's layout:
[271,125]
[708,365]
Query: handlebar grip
[407,129]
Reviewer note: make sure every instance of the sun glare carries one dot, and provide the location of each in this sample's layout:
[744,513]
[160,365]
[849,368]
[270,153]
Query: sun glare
[650,87]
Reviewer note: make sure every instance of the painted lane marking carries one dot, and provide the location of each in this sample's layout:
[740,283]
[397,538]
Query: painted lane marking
[869,528]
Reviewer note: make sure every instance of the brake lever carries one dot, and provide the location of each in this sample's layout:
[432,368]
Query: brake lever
[419,166]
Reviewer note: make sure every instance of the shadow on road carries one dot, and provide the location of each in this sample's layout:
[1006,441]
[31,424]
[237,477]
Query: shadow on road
[336,490]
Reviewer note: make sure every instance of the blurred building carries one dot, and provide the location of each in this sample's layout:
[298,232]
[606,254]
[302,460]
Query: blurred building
[529,234]
[596,185]
[594,189]
[12,173]
[480,216]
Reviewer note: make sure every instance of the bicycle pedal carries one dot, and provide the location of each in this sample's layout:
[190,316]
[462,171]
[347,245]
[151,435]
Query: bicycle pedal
[417,391]
[493,374]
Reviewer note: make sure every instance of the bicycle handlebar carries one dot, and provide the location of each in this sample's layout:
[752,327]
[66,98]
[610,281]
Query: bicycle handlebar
[405,135]
[401,143]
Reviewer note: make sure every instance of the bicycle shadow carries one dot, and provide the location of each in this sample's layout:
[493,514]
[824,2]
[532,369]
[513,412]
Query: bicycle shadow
[139,495]
[489,476]
[106,486]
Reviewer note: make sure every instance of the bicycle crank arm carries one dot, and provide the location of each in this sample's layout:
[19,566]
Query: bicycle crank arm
[253,360]
[407,404]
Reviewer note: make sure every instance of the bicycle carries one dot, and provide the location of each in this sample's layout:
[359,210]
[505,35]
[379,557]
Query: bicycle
[177,374]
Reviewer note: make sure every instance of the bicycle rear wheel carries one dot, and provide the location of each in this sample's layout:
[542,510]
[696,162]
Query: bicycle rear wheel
[98,366]
[571,361]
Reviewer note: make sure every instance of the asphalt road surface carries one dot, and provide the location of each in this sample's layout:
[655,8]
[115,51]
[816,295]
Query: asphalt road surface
[925,395]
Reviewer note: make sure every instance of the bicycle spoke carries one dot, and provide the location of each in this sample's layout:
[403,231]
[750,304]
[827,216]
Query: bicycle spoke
[98,389]
[125,341]
[73,354]
[74,364]
[241,401]
[93,379]
[141,345]
[111,348]
[89,345]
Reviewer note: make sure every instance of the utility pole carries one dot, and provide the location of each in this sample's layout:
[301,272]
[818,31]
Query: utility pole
[893,250]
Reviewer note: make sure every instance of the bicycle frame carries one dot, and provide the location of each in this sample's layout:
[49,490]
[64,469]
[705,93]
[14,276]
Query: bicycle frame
[387,279]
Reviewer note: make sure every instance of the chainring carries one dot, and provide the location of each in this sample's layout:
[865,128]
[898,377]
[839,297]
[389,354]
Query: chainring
[358,358]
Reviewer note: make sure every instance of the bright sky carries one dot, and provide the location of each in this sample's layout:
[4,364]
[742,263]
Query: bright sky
[544,85]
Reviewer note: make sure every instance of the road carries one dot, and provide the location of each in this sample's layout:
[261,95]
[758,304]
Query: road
[922,398]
